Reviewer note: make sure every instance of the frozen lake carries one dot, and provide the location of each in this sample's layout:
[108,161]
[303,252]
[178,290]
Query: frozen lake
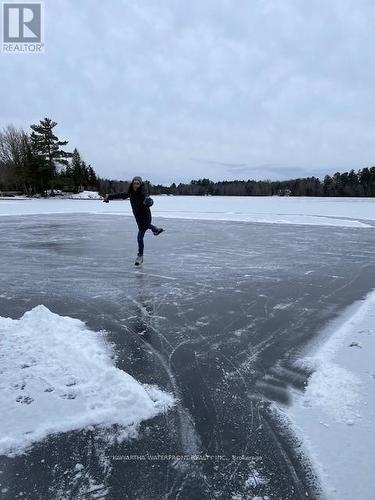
[218,316]
[349,212]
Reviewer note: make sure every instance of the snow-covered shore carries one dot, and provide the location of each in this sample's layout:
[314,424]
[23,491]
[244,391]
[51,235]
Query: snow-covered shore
[347,212]
[335,416]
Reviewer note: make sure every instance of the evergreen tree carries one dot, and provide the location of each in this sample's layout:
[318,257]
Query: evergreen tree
[92,180]
[327,185]
[85,175]
[68,170]
[364,180]
[372,182]
[46,148]
[76,168]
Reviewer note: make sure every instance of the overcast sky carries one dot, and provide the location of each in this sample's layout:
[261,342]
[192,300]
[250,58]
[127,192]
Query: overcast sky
[174,90]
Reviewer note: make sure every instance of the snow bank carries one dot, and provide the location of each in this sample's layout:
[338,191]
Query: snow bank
[57,376]
[336,415]
[86,195]
[347,212]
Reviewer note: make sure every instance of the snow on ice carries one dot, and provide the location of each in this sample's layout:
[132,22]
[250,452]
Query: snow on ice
[346,212]
[336,414]
[57,376]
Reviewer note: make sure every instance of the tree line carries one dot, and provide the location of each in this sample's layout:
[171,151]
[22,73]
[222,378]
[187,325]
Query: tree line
[360,183]
[37,162]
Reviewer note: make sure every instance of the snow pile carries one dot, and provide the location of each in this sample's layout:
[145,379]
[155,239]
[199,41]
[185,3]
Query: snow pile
[86,195]
[335,390]
[57,376]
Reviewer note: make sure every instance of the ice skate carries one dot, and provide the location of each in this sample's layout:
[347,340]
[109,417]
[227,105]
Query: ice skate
[138,260]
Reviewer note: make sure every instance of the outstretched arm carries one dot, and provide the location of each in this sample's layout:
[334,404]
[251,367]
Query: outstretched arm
[115,196]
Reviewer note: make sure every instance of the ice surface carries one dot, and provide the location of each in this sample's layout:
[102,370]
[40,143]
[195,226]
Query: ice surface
[57,375]
[345,212]
[219,315]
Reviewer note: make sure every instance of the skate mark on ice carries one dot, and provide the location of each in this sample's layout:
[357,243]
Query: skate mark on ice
[156,275]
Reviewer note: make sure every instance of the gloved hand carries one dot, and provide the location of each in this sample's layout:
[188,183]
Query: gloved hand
[148,202]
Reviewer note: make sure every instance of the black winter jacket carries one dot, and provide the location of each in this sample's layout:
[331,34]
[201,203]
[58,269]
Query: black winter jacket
[141,212]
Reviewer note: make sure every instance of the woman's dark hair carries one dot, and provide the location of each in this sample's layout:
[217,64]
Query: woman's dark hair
[131,189]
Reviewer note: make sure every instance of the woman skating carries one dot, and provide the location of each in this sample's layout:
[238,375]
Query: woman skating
[141,203]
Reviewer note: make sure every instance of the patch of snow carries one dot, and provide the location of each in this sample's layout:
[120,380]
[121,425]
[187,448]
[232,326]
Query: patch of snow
[255,480]
[85,195]
[336,415]
[56,376]
[283,305]
[343,212]
[337,391]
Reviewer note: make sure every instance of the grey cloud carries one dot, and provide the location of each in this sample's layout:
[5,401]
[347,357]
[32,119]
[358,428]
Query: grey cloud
[221,163]
[146,86]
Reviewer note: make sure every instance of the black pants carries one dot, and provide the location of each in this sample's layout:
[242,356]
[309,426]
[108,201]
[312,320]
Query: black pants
[141,234]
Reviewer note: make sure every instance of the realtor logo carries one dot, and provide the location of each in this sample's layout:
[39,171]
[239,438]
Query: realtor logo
[23,27]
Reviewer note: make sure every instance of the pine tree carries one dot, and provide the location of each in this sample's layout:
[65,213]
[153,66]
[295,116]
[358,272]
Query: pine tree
[85,175]
[47,150]
[76,167]
[364,179]
[92,180]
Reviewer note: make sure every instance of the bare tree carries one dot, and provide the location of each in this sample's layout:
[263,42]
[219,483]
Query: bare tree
[15,160]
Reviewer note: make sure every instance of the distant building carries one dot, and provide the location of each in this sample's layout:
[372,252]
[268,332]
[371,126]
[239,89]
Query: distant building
[284,192]
[72,189]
